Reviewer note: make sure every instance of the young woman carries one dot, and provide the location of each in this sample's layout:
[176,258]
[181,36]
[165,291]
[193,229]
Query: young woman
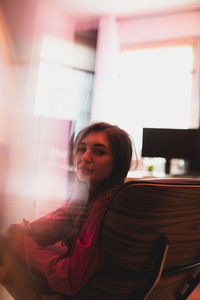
[60,252]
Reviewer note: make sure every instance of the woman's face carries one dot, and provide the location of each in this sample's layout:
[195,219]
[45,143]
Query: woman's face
[94,160]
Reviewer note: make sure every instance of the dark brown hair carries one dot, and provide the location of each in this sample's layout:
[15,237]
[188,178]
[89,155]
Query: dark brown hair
[121,149]
[120,144]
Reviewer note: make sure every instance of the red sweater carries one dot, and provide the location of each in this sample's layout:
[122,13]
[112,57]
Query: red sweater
[69,274]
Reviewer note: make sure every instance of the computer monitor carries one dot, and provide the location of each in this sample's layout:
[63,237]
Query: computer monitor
[173,143]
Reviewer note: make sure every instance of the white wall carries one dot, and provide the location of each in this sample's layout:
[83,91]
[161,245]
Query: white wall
[26,183]
[158,28]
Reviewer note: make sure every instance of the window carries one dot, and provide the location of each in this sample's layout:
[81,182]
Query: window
[155,86]
[63,91]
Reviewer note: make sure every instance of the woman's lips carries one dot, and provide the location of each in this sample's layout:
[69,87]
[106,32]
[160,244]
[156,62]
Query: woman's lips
[85,170]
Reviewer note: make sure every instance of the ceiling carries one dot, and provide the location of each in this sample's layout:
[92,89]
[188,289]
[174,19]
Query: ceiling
[90,9]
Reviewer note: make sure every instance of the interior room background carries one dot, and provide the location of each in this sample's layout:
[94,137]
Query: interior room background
[58,73]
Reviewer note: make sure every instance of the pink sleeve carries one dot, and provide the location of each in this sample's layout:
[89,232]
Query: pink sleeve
[67,275]
[48,229]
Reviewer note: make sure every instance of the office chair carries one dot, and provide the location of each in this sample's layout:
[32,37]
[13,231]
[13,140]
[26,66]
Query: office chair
[150,236]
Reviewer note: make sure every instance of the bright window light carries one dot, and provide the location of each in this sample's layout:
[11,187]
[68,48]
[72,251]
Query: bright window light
[61,90]
[155,88]
[57,50]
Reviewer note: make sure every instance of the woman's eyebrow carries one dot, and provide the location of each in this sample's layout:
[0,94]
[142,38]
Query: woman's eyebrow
[95,145]
[100,145]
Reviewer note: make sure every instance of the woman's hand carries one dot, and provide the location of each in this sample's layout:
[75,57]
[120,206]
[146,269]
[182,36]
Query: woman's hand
[15,235]
[3,274]
[13,230]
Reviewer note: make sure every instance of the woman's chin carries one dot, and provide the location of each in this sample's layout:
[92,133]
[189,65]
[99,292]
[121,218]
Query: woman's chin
[84,178]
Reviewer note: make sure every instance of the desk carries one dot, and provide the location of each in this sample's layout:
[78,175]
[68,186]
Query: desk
[137,175]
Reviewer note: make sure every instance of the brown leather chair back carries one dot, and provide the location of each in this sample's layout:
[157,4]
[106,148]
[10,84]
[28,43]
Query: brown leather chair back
[138,215]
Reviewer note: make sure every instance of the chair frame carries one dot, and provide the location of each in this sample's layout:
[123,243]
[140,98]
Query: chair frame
[157,271]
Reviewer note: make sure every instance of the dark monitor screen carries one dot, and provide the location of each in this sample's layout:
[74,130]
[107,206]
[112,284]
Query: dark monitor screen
[172,143]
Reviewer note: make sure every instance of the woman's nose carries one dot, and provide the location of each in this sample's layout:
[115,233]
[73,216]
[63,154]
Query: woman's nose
[87,157]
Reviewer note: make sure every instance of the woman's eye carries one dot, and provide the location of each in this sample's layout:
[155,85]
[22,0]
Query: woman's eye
[82,149]
[100,152]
